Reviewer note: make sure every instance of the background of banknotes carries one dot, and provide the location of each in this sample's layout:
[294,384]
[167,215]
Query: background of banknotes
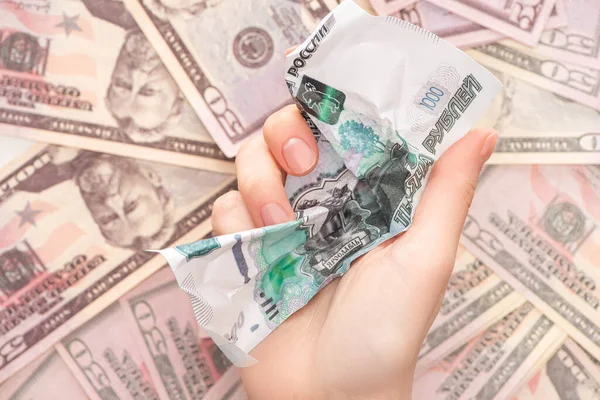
[119,117]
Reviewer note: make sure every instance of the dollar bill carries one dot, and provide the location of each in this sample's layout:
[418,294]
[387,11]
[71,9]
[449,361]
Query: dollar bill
[540,127]
[522,20]
[181,358]
[106,360]
[570,374]
[537,227]
[460,31]
[389,7]
[493,365]
[574,82]
[47,377]
[81,74]
[11,148]
[475,298]
[579,42]
[228,58]
[73,227]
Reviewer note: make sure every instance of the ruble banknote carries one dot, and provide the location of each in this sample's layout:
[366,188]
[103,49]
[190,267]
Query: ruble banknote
[538,228]
[73,227]
[82,74]
[376,148]
[570,374]
[493,365]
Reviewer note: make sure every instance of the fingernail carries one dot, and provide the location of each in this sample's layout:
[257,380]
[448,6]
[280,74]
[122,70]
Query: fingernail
[298,156]
[489,145]
[273,214]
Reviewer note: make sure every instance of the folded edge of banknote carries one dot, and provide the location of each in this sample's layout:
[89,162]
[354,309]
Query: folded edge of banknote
[384,99]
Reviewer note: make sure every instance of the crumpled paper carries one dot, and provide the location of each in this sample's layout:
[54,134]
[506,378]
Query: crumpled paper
[384,99]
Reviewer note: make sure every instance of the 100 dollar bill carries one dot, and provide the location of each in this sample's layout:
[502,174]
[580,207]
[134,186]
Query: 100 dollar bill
[73,227]
[81,74]
[537,227]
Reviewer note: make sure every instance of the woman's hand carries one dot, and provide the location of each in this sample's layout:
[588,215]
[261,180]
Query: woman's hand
[359,338]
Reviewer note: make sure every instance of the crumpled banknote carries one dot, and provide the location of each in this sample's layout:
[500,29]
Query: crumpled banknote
[384,99]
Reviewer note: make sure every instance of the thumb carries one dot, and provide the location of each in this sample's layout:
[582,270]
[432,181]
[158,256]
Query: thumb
[443,208]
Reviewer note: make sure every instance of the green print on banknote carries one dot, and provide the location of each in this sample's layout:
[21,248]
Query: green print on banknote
[198,249]
[338,216]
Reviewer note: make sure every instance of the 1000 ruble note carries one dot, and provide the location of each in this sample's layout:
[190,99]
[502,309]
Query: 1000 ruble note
[73,227]
[81,74]
[538,228]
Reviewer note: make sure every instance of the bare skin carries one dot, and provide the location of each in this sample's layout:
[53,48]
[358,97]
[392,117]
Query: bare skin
[360,337]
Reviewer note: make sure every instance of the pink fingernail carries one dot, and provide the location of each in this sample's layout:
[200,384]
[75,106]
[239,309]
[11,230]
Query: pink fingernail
[298,155]
[489,145]
[273,214]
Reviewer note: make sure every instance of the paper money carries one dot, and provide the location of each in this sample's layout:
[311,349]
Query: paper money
[182,360]
[376,147]
[537,227]
[389,7]
[46,378]
[11,148]
[522,20]
[460,31]
[570,374]
[227,56]
[539,127]
[73,227]
[493,365]
[575,82]
[106,360]
[228,387]
[81,74]
[475,298]
[579,43]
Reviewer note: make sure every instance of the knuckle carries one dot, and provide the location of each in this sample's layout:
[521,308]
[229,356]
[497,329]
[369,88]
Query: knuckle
[252,186]
[227,202]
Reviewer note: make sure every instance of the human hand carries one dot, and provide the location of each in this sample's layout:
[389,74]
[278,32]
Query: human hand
[359,337]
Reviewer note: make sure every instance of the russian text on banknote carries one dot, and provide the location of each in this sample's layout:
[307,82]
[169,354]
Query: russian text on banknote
[367,139]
